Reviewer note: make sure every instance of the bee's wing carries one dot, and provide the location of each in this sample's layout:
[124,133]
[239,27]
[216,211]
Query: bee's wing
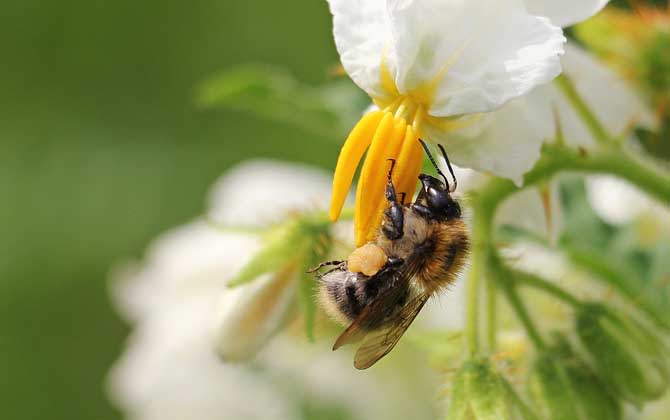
[379,343]
[374,313]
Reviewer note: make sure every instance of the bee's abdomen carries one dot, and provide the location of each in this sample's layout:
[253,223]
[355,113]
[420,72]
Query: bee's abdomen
[344,294]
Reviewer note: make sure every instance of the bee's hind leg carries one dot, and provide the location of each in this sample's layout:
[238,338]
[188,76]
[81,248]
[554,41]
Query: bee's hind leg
[336,263]
[393,215]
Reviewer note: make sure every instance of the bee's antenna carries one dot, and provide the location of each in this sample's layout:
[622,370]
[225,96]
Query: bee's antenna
[432,160]
[444,154]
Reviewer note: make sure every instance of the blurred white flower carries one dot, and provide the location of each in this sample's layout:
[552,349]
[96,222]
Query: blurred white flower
[180,307]
[618,202]
[427,65]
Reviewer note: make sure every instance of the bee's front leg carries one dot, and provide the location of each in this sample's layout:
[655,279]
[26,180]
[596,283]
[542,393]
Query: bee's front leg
[393,215]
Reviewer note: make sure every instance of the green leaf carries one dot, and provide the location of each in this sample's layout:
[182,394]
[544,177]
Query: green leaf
[278,250]
[274,94]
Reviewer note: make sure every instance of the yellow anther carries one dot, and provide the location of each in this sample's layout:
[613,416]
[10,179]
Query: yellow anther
[358,141]
[370,194]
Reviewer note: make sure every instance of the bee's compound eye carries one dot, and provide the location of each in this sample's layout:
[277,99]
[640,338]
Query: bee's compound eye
[368,259]
[441,203]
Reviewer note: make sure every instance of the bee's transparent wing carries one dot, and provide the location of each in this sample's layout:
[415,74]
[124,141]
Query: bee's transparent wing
[375,313]
[379,343]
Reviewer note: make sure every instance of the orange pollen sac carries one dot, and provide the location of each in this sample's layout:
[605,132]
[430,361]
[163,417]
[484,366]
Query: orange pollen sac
[368,259]
[386,137]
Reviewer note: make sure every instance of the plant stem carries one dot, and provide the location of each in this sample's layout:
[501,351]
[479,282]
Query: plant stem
[531,280]
[595,128]
[503,277]
[557,158]
[481,227]
[491,308]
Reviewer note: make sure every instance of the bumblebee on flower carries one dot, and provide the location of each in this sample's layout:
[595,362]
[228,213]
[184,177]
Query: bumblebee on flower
[430,67]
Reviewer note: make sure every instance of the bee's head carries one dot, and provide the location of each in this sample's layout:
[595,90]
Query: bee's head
[437,198]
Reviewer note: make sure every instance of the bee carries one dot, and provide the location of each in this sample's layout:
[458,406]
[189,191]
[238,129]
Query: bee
[419,251]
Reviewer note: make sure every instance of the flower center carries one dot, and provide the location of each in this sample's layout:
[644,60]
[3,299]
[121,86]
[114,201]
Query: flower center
[388,134]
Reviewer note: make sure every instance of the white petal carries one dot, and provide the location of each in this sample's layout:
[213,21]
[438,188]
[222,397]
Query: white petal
[318,374]
[249,315]
[169,371]
[262,191]
[362,37]
[611,99]
[534,210]
[505,143]
[191,260]
[483,53]
[565,12]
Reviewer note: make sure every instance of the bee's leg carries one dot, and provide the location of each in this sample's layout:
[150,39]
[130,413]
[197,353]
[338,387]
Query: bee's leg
[324,264]
[423,211]
[393,216]
[392,263]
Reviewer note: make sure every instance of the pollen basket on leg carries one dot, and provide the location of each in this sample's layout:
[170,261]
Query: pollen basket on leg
[350,155]
[370,193]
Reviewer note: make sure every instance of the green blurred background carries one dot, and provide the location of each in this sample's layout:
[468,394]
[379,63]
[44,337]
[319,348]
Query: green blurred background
[102,147]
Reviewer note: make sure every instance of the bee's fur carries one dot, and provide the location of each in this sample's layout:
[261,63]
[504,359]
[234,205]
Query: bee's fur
[440,246]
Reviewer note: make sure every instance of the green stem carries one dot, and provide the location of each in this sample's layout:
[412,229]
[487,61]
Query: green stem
[491,311]
[531,280]
[527,413]
[557,158]
[503,277]
[588,117]
[481,226]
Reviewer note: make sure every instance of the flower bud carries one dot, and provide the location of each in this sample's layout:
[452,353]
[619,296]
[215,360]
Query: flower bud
[551,391]
[595,401]
[480,393]
[626,354]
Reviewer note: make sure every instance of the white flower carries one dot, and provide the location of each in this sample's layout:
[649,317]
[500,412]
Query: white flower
[427,65]
[181,308]
[519,128]
[618,202]
[565,12]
